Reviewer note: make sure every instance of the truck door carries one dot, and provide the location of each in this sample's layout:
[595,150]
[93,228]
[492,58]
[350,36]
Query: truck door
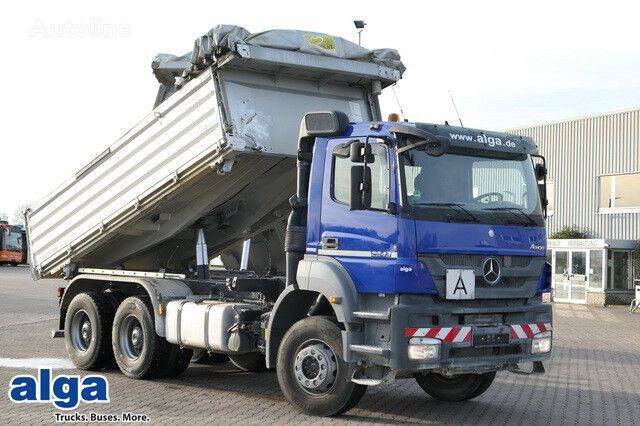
[363,241]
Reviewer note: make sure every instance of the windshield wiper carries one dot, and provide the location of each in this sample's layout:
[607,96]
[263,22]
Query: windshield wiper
[512,210]
[451,206]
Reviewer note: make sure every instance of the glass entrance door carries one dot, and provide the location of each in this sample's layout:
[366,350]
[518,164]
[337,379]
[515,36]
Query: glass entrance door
[561,283]
[578,278]
[570,276]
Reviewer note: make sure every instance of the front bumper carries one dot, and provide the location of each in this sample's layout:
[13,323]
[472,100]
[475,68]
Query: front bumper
[473,335]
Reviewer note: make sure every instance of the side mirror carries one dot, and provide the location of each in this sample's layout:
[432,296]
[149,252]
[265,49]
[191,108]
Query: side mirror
[542,189]
[540,171]
[360,188]
[358,152]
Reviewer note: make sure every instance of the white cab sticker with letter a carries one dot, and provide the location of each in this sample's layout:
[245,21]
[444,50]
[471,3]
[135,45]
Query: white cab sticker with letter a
[461,284]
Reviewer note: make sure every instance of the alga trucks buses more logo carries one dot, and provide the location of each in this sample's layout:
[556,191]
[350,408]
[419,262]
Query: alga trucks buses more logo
[65,392]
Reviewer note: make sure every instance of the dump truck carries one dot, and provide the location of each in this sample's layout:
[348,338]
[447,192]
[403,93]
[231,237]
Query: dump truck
[357,251]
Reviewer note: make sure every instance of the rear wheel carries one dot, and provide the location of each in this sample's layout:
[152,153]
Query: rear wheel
[139,352]
[311,371]
[461,387]
[87,329]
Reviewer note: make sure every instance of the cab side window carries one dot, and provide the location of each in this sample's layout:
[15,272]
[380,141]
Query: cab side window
[341,177]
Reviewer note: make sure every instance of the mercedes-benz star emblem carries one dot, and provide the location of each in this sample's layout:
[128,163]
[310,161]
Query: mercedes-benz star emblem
[491,270]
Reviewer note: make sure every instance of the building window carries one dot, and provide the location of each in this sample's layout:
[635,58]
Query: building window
[619,193]
[619,270]
[551,199]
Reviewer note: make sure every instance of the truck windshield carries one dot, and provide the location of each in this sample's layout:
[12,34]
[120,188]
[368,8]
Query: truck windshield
[468,188]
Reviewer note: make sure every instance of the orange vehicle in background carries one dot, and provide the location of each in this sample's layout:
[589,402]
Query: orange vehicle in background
[11,244]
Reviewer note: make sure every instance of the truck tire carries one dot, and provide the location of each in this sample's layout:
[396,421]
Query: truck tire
[457,388]
[139,352]
[252,362]
[311,371]
[87,329]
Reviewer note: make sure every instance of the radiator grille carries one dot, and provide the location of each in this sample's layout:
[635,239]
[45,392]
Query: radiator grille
[475,260]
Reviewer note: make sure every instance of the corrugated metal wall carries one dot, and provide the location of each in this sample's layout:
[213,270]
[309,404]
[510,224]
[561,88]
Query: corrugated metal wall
[577,152]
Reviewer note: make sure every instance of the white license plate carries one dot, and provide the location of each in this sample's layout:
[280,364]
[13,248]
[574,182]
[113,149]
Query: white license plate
[461,284]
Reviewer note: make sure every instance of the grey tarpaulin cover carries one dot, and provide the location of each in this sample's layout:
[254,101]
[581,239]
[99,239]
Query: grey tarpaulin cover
[225,38]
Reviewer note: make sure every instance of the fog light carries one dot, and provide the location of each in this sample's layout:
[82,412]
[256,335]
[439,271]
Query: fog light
[424,348]
[541,343]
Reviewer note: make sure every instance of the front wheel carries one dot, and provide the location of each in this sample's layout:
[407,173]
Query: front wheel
[461,387]
[311,371]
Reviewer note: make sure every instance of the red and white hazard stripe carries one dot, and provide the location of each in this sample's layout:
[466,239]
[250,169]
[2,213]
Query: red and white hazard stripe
[446,334]
[463,334]
[527,331]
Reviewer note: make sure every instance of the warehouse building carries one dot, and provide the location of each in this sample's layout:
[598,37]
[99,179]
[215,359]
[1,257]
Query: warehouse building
[594,184]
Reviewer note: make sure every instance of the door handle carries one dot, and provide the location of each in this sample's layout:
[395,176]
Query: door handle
[330,243]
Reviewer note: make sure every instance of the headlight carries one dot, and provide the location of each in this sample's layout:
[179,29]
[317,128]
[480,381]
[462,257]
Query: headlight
[421,348]
[541,343]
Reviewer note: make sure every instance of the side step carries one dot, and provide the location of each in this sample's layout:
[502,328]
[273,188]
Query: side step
[371,350]
[379,316]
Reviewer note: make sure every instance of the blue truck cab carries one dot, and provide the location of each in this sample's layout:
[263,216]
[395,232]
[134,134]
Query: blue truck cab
[428,241]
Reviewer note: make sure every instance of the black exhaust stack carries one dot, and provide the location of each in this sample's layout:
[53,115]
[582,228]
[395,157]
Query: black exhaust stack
[326,123]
